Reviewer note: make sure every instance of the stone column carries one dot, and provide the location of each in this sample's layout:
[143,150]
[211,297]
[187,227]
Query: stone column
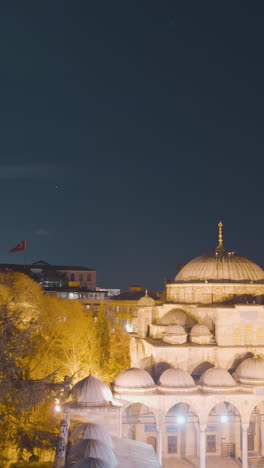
[159,443]
[119,423]
[237,441]
[244,445]
[262,435]
[202,445]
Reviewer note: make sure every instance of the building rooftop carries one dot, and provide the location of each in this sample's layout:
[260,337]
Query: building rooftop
[135,296]
[41,264]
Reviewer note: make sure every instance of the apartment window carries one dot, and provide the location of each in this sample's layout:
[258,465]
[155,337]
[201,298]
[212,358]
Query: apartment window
[80,277]
[72,277]
[89,277]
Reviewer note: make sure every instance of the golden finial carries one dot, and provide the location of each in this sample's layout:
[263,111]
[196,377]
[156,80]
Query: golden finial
[220,234]
[220,237]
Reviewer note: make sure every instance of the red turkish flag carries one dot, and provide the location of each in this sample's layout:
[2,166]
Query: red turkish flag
[20,246]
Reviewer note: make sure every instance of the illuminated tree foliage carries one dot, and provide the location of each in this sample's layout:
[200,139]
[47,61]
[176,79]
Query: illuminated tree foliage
[42,340]
[102,338]
[19,393]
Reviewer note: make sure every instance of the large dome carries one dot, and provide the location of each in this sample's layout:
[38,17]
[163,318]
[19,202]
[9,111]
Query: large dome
[220,266]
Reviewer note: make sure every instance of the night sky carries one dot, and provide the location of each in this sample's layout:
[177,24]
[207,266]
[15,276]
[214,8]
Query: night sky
[128,130]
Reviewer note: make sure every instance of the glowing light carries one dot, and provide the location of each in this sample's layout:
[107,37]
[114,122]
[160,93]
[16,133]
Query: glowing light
[129,327]
[57,406]
[181,419]
[224,418]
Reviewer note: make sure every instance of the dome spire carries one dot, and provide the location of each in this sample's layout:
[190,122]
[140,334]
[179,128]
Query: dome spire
[220,246]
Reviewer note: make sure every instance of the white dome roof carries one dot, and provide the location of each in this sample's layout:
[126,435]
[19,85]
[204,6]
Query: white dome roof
[90,431]
[134,378]
[220,266]
[200,330]
[217,377]
[174,316]
[176,377]
[97,432]
[88,448]
[146,301]
[91,391]
[250,371]
[175,330]
[89,462]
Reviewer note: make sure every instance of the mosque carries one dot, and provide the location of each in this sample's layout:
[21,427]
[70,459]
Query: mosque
[195,391]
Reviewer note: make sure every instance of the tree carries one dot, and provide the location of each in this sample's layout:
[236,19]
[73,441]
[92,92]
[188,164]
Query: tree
[119,358]
[66,340]
[102,338]
[19,394]
[42,340]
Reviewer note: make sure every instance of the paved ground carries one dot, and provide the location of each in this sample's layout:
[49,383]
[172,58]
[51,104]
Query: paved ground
[211,462]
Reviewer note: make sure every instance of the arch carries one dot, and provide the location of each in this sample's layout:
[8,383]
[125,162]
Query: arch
[200,369]
[138,422]
[179,407]
[223,430]
[256,432]
[226,403]
[238,361]
[181,431]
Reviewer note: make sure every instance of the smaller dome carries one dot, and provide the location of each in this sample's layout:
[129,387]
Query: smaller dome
[217,377]
[200,330]
[92,391]
[96,432]
[251,371]
[176,377]
[90,431]
[134,378]
[92,449]
[146,301]
[175,330]
[89,462]
[174,316]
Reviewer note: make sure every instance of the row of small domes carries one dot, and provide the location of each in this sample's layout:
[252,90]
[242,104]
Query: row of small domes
[197,330]
[250,371]
[93,391]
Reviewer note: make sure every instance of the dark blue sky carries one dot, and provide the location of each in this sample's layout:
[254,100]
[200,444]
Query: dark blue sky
[147,116]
